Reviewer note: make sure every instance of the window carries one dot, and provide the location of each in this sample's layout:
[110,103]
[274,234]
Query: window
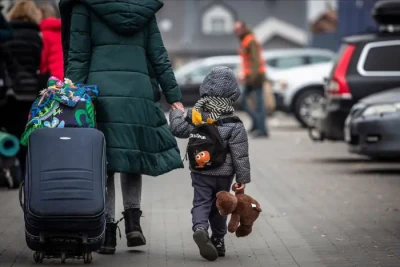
[385,58]
[319,59]
[380,59]
[271,62]
[289,62]
[198,75]
[201,72]
[217,20]
[218,25]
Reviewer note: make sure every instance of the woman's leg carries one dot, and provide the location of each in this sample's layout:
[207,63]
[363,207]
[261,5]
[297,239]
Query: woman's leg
[131,187]
[110,241]
[110,198]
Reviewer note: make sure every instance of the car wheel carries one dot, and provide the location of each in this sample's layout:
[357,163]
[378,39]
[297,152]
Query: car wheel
[306,104]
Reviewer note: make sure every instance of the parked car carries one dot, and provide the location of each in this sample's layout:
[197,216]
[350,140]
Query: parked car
[302,90]
[191,75]
[367,64]
[372,127]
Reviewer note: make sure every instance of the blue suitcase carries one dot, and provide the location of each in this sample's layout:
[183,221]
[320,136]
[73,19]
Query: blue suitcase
[64,193]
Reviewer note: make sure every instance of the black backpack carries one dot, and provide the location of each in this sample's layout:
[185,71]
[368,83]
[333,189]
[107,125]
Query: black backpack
[205,148]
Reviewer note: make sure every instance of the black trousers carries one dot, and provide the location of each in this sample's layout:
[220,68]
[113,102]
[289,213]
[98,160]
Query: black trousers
[13,117]
[204,211]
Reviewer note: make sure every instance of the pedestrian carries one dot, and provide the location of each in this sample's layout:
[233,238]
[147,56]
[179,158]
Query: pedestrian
[22,55]
[117,46]
[5,29]
[217,93]
[252,75]
[52,55]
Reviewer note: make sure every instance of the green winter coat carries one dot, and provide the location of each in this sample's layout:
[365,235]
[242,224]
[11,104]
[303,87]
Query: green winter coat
[117,46]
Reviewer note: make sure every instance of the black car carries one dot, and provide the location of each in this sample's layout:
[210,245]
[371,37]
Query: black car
[366,64]
[373,125]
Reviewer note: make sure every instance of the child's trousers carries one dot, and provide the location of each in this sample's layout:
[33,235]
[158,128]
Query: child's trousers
[204,211]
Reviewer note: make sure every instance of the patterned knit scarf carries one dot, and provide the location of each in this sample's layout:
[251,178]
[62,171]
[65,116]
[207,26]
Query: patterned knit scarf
[216,106]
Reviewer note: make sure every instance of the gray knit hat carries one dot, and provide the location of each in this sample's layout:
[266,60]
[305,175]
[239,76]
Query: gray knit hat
[220,82]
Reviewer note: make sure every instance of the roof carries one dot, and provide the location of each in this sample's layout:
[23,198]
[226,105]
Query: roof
[363,38]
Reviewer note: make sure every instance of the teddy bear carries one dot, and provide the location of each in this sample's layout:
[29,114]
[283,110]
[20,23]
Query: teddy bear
[244,209]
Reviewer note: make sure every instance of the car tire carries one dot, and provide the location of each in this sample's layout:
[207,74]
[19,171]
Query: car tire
[315,95]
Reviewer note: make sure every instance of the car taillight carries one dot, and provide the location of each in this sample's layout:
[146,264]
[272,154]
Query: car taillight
[338,87]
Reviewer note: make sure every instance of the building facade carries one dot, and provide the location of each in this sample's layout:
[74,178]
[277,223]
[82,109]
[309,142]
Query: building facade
[193,28]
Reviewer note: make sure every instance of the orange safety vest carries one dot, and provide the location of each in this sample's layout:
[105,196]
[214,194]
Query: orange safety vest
[245,55]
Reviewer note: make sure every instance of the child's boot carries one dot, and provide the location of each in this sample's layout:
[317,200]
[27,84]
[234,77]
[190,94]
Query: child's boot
[206,247]
[219,244]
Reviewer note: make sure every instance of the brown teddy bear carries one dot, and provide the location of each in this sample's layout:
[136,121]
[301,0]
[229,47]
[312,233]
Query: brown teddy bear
[244,209]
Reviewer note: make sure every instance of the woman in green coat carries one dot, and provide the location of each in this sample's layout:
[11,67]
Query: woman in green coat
[117,46]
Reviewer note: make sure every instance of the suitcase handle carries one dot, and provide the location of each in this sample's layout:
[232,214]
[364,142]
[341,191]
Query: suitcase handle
[21,203]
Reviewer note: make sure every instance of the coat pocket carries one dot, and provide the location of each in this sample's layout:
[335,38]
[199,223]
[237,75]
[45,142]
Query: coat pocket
[154,83]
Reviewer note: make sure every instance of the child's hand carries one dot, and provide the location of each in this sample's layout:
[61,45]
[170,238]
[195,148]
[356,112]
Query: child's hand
[237,188]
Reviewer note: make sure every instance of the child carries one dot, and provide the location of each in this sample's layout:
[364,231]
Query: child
[218,92]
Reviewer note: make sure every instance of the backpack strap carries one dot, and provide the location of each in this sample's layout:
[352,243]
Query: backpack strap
[188,120]
[233,119]
[220,122]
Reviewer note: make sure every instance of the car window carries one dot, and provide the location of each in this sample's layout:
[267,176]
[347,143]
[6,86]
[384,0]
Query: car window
[202,71]
[319,59]
[289,62]
[271,62]
[198,75]
[383,58]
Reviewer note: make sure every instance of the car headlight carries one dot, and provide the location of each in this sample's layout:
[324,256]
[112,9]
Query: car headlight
[381,109]
[280,85]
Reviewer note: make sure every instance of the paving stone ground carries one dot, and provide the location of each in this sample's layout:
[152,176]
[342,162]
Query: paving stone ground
[321,208]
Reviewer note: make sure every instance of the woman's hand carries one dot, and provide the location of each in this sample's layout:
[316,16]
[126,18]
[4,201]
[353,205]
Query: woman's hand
[178,105]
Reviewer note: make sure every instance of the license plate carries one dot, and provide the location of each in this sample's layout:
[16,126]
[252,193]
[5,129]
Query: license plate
[347,130]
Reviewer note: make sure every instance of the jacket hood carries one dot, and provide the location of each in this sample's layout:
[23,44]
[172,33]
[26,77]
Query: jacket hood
[220,82]
[50,24]
[125,16]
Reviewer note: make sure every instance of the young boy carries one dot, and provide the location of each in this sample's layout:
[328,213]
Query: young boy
[217,94]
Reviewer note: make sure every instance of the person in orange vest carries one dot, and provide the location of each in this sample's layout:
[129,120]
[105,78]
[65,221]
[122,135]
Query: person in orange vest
[252,75]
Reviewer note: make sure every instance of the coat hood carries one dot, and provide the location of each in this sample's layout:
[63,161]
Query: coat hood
[50,24]
[123,16]
[220,82]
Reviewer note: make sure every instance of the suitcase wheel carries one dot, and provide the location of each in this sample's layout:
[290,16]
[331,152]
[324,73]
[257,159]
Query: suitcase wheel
[38,256]
[87,257]
[63,257]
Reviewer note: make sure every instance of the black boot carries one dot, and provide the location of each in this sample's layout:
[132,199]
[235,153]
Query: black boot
[110,241]
[219,244]
[206,247]
[133,231]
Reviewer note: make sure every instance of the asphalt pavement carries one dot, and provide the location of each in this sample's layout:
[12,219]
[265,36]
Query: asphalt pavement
[321,208]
